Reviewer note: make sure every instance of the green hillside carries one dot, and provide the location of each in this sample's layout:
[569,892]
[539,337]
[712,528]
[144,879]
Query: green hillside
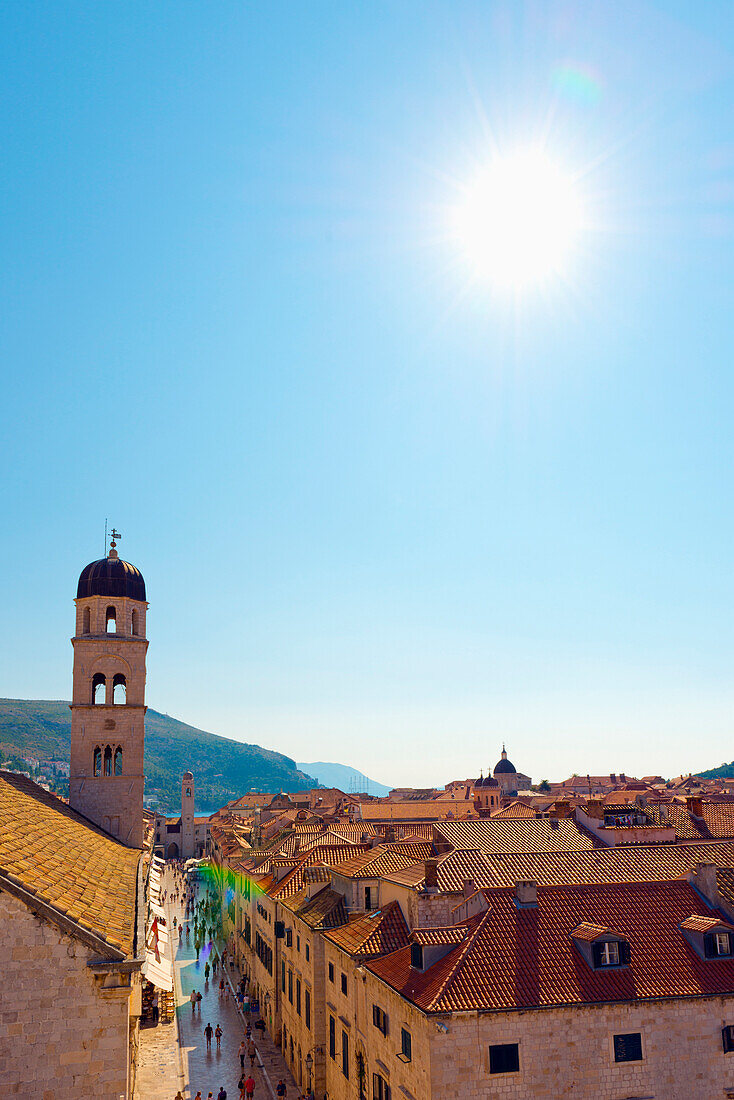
[223,769]
[725,771]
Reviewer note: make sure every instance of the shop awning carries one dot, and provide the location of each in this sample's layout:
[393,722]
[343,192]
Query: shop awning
[157,911]
[159,973]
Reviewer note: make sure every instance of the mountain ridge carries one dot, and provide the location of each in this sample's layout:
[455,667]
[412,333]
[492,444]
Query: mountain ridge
[347,779]
[40,729]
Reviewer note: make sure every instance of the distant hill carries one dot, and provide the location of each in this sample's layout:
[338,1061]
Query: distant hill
[223,769]
[725,771]
[346,779]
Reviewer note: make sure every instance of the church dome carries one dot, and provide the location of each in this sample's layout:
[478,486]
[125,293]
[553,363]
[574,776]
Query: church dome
[505,766]
[111,576]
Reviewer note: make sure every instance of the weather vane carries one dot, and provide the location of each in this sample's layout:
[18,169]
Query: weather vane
[114,535]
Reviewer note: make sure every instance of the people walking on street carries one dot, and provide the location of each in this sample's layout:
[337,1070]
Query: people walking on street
[208,1031]
[218,1033]
[192,998]
[242,1053]
[249,1087]
[280,1089]
[252,1051]
[222,1094]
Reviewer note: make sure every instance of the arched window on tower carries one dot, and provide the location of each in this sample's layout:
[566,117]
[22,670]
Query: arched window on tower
[108,761]
[118,760]
[135,626]
[119,689]
[86,622]
[98,688]
[111,621]
[98,761]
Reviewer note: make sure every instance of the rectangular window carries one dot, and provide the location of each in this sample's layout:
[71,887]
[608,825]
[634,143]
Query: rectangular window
[379,1019]
[722,943]
[307,1009]
[344,984]
[308,953]
[368,897]
[332,1037]
[406,1045]
[282,976]
[504,1058]
[609,955]
[628,1048]
[298,996]
[331,972]
[380,1088]
[290,986]
[345,1054]
[298,943]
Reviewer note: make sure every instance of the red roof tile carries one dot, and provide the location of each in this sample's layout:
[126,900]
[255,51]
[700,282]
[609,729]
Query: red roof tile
[525,957]
[374,934]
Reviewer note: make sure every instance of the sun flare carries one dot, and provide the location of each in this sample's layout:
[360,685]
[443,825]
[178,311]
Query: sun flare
[519,220]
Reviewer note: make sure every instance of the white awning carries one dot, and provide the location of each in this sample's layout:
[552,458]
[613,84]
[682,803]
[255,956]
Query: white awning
[159,973]
[157,859]
[157,911]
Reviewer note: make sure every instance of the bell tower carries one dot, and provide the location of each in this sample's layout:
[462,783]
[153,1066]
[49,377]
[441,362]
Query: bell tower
[187,816]
[106,778]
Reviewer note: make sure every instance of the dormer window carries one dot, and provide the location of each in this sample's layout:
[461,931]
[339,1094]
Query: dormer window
[709,936]
[602,947]
[416,956]
[609,953]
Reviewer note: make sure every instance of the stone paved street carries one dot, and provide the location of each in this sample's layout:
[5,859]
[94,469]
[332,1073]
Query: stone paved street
[164,1055]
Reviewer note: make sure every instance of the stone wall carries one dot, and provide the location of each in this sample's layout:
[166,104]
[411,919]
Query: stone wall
[62,1037]
[563,1052]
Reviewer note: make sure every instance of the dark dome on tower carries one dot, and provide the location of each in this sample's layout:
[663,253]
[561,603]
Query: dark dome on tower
[505,766]
[111,577]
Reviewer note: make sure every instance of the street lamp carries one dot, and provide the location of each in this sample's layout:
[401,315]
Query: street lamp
[309,1063]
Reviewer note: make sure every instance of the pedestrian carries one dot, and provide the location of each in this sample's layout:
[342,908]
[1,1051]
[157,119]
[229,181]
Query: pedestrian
[249,1087]
[155,1007]
[222,1094]
[179,1095]
[208,1031]
[218,1032]
[192,998]
[198,1002]
[206,972]
[198,1095]
[242,1053]
[280,1088]
[252,1051]
[221,987]
[241,1086]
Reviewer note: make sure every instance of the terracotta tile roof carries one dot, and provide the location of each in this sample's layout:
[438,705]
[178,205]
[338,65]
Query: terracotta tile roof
[384,859]
[432,937]
[591,932]
[325,910]
[389,811]
[724,880]
[374,934]
[716,821]
[55,853]
[497,835]
[522,958]
[514,810]
[421,830]
[705,924]
[641,863]
[293,882]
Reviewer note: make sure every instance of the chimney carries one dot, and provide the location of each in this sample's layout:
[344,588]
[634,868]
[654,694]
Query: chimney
[296,844]
[526,894]
[694,805]
[704,879]
[431,874]
[562,808]
[469,887]
[390,836]
[612,777]
[623,777]
[595,808]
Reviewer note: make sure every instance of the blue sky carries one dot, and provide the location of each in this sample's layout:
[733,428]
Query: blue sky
[386,515]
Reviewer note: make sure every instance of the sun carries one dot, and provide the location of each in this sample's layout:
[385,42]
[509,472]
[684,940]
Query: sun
[519,220]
